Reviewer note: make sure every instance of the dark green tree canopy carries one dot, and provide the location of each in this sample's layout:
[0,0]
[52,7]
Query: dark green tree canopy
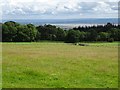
[15,32]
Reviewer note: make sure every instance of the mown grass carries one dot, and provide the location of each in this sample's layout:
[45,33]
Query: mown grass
[60,65]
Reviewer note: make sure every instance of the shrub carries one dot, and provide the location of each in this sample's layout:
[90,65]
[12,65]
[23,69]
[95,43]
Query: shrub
[110,40]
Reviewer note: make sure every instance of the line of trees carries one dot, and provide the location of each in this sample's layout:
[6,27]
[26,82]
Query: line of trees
[15,32]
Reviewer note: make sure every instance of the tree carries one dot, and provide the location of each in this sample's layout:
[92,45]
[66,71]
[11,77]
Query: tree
[93,35]
[13,31]
[60,35]
[48,32]
[38,36]
[82,36]
[9,31]
[22,34]
[103,36]
[32,31]
[26,33]
[12,24]
[115,34]
[72,36]
[43,32]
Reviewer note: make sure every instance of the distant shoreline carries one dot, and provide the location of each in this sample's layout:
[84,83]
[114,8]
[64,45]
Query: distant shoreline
[71,26]
[67,23]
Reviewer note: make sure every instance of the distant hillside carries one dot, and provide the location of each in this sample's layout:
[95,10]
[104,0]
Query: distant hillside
[66,21]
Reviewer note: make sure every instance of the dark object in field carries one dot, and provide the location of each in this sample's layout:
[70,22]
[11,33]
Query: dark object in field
[83,44]
[75,43]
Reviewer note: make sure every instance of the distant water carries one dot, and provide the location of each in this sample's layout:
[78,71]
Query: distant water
[66,21]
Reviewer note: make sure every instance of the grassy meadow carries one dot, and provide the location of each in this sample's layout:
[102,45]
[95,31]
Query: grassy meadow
[59,65]
[0,65]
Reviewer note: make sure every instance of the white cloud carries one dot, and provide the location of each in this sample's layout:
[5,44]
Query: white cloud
[105,8]
[60,8]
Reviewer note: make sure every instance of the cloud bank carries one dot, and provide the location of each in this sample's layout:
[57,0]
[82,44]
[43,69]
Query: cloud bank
[59,9]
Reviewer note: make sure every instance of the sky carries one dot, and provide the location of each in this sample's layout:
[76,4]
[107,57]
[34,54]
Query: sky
[58,9]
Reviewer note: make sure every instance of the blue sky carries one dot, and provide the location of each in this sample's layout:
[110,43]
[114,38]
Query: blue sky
[58,9]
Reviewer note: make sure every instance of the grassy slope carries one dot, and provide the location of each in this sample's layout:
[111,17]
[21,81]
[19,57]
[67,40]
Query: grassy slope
[0,65]
[60,65]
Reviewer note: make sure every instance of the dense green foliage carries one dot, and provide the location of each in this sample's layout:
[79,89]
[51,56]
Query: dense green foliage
[15,32]
[49,32]
[72,36]
[106,32]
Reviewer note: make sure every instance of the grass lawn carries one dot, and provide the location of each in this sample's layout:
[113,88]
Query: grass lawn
[60,65]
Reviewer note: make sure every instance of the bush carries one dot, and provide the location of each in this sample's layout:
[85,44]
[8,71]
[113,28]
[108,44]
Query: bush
[110,40]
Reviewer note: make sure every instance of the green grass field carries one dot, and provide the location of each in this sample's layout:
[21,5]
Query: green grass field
[60,65]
